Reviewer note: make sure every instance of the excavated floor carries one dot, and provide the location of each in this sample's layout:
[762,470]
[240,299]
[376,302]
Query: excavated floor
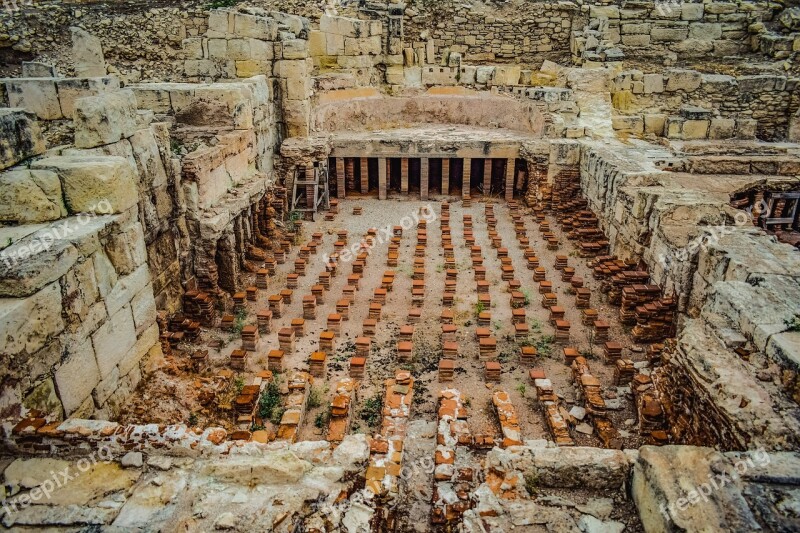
[172,393]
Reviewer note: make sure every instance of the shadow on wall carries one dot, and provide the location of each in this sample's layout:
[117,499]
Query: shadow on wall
[358,111]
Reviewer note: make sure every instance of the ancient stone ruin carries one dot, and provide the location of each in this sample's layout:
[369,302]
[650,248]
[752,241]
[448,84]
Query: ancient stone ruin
[356,266]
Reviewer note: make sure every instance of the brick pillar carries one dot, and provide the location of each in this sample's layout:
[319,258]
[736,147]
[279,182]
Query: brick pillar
[445,176]
[349,173]
[510,179]
[465,178]
[404,175]
[487,176]
[364,175]
[382,177]
[340,183]
[424,172]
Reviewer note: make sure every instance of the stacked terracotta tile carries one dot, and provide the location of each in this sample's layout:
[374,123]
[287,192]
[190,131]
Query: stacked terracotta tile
[238,359]
[452,439]
[655,321]
[249,338]
[341,412]
[317,364]
[386,449]
[509,423]
[295,406]
[623,371]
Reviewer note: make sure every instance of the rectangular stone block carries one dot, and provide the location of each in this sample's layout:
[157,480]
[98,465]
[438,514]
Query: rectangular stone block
[113,339]
[104,119]
[254,26]
[77,376]
[20,137]
[70,89]
[36,95]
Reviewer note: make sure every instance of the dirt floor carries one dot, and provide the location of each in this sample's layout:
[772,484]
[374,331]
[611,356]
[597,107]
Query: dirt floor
[168,396]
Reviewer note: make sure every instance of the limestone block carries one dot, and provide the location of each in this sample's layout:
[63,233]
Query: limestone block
[720,8]
[28,324]
[345,26]
[722,128]
[126,249]
[635,28]
[104,119]
[126,288]
[80,289]
[654,123]
[91,184]
[468,74]
[705,31]
[113,340]
[668,34]
[295,49]
[219,105]
[395,75]
[36,69]
[248,69]
[483,75]
[104,273]
[87,54]
[149,164]
[217,49]
[506,75]
[245,25]
[238,49]
[193,48]
[144,309]
[146,343]
[746,128]
[297,114]
[199,68]
[682,79]
[691,11]
[30,196]
[334,44]
[412,76]
[695,129]
[636,40]
[77,376]
[153,97]
[36,95]
[70,89]
[661,476]
[316,44]
[674,128]
[20,137]
[220,22]
[628,124]
[609,12]
[259,50]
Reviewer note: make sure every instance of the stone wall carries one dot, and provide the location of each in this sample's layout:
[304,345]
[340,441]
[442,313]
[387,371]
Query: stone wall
[77,300]
[664,99]
[730,378]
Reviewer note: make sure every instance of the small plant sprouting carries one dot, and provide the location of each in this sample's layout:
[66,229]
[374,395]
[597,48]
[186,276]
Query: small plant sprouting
[521,389]
[322,418]
[269,402]
[530,484]
[238,385]
[193,419]
[314,398]
[793,323]
[371,410]
[479,308]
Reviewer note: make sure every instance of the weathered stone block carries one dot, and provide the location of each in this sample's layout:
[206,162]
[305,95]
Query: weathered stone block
[87,54]
[722,128]
[684,80]
[691,11]
[36,95]
[70,89]
[705,31]
[77,376]
[217,49]
[695,129]
[669,34]
[200,68]
[113,340]
[654,123]
[30,196]
[262,28]
[28,324]
[102,185]
[20,137]
[104,119]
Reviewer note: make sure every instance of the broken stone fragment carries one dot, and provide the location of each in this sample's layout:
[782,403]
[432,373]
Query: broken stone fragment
[87,54]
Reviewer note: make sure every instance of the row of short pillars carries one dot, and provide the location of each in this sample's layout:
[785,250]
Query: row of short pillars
[369,175]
